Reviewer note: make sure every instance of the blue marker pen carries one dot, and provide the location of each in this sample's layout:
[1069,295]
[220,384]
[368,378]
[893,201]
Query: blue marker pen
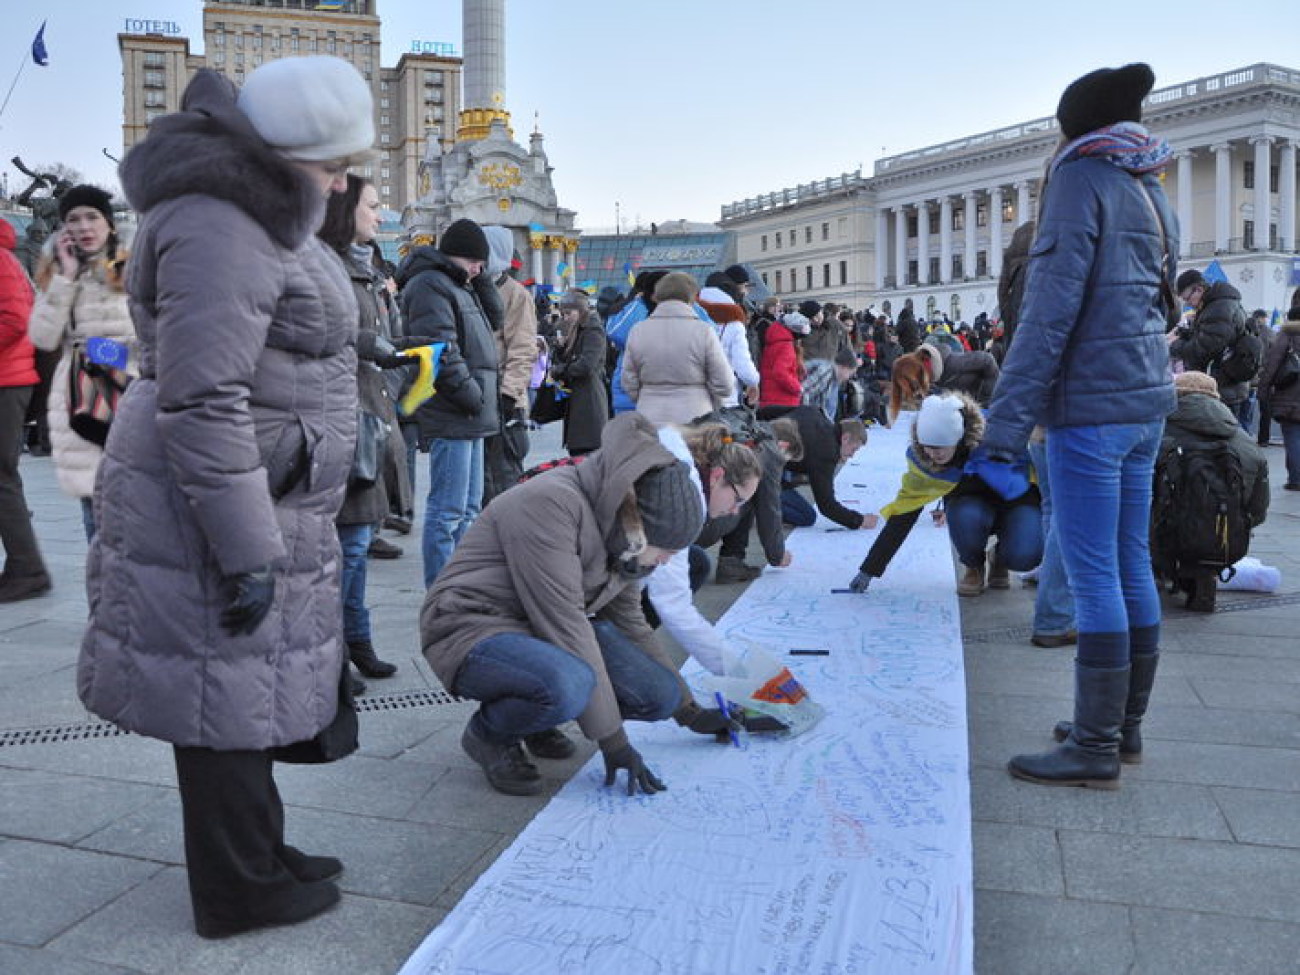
[726,713]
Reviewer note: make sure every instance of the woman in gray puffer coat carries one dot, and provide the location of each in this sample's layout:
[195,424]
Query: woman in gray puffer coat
[213,578]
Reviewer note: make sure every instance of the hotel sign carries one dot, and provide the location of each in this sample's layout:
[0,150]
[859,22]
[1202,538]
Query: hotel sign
[132,25]
[441,48]
[681,255]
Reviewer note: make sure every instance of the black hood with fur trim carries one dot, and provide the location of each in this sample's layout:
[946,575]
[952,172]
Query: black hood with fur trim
[210,148]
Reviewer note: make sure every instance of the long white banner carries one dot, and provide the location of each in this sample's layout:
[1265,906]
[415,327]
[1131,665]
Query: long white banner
[846,850]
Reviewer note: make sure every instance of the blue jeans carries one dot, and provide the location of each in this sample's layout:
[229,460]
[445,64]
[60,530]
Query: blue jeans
[1291,438]
[1053,601]
[455,499]
[1101,495]
[795,509]
[355,539]
[974,518]
[527,685]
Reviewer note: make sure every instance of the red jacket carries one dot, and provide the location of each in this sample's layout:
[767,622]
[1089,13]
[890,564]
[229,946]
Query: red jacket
[17,356]
[780,382]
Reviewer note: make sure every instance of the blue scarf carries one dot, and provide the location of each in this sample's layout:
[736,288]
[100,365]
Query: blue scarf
[1128,145]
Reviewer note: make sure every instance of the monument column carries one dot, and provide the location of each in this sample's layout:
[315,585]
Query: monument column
[483,68]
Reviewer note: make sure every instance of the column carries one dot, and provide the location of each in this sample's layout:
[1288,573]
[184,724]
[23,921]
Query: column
[535,246]
[1286,197]
[557,255]
[1263,201]
[968,223]
[900,246]
[882,247]
[945,240]
[1185,235]
[1222,195]
[995,231]
[923,242]
[1022,202]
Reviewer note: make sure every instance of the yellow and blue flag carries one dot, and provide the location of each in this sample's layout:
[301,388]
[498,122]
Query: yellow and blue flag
[428,357]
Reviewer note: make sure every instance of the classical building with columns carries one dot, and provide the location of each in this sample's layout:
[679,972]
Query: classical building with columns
[932,224]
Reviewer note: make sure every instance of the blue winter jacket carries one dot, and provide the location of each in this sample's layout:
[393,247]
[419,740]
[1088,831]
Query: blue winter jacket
[1090,347]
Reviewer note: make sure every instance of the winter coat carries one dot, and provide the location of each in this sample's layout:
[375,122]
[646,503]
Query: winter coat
[1011,283]
[231,451]
[367,504]
[821,458]
[541,560]
[17,357]
[973,373]
[1285,403]
[1090,347]
[907,330]
[780,372]
[439,302]
[674,366]
[517,340]
[580,365]
[729,325]
[67,313]
[1199,418]
[1218,322]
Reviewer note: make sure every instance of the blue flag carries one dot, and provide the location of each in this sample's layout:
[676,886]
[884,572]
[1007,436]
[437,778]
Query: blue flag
[39,54]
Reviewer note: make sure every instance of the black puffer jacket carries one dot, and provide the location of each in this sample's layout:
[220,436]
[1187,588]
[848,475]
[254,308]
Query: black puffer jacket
[439,302]
[1214,329]
[1285,403]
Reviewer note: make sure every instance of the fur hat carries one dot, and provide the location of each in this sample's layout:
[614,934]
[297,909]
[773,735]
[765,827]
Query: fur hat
[670,506]
[466,239]
[86,195]
[1104,97]
[1192,381]
[940,422]
[809,309]
[796,323]
[312,109]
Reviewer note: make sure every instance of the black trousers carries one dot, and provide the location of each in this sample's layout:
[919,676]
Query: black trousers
[22,555]
[234,835]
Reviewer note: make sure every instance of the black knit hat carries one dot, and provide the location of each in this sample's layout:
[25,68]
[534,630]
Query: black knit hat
[85,195]
[1104,97]
[670,506]
[809,308]
[465,238]
[738,274]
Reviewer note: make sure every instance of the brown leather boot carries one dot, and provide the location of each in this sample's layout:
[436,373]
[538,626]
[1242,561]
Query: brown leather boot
[971,582]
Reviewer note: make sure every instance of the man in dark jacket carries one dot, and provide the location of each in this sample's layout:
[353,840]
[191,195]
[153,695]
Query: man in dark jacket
[825,446]
[1219,322]
[440,302]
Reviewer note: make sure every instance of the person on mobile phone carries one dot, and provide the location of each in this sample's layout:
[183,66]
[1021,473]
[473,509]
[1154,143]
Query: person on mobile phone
[80,295]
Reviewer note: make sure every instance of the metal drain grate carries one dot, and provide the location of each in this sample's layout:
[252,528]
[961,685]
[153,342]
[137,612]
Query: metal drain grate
[54,734]
[1014,633]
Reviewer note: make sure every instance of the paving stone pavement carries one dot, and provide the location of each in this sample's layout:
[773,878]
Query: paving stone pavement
[1192,867]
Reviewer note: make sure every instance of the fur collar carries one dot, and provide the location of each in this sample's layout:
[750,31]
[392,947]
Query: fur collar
[209,148]
[723,313]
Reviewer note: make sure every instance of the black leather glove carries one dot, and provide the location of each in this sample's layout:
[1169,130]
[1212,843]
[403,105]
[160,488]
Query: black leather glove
[627,757]
[250,595]
[394,361]
[860,582]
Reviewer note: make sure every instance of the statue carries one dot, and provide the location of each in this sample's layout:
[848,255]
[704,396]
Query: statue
[45,212]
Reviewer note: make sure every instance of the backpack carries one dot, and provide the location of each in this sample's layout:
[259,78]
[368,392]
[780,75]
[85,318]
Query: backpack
[1240,361]
[1198,510]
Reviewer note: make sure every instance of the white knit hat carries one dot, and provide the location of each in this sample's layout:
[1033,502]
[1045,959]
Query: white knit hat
[940,422]
[796,323]
[314,108]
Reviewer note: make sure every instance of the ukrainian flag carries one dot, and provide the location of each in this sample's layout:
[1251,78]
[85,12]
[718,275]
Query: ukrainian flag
[428,357]
[331,4]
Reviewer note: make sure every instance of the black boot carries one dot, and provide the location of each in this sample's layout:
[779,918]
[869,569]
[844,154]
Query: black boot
[506,766]
[1200,595]
[552,743]
[1089,756]
[308,868]
[1141,678]
[367,661]
[357,684]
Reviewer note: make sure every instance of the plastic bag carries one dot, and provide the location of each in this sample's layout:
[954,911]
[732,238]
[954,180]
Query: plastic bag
[1252,575]
[760,683]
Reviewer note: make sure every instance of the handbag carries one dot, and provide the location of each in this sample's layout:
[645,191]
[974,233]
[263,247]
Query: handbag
[551,404]
[368,460]
[336,740]
[1288,371]
[94,391]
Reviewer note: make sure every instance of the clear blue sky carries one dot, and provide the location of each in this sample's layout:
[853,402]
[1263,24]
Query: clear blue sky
[673,108]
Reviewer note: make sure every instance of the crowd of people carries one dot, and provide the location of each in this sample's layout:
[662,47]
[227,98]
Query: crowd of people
[277,382]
